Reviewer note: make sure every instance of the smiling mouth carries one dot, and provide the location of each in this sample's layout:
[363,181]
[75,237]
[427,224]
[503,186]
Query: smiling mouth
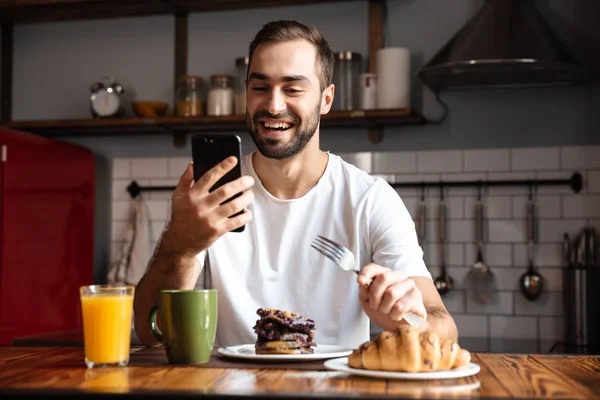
[276,126]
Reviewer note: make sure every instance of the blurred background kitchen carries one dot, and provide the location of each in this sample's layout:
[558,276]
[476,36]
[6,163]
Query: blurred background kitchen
[110,72]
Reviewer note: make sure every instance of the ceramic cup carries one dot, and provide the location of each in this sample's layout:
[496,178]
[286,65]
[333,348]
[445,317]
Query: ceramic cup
[188,320]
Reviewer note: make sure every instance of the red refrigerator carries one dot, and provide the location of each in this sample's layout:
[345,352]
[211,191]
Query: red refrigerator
[46,233]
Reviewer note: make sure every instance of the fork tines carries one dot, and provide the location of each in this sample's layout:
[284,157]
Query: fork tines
[328,248]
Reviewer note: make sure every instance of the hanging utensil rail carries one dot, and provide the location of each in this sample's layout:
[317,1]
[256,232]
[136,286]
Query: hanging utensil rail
[575,182]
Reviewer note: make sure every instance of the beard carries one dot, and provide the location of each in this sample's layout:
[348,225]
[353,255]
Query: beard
[277,148]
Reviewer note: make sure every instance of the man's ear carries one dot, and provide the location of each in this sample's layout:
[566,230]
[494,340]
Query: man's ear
[327,99]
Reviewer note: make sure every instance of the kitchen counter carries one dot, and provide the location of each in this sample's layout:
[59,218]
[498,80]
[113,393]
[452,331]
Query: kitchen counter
[60,371]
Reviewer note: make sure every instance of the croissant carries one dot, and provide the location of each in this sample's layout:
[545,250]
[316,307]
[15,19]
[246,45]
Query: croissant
[407,350]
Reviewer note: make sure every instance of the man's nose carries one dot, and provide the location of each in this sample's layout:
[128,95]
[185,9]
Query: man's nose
[276,102]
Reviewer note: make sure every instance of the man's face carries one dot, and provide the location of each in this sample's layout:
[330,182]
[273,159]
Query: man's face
[284,100]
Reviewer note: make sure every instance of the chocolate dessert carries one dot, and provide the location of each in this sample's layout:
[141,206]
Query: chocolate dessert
[282,332]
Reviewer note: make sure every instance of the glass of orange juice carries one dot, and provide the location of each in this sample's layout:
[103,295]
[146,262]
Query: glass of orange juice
[107,312]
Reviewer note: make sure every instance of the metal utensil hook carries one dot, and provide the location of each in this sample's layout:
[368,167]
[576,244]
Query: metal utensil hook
[531,187]
[422,191]
[533,234]
[442,191]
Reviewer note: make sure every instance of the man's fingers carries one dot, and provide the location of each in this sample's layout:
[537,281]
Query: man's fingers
[229,190]
[368,272]
[399,308]
[404,305]
[186,180]
[237,221]
[236,205]
[381,282]
[210,177]
[395,292]
[363,294]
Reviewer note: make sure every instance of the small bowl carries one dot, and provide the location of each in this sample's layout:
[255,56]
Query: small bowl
[149,108]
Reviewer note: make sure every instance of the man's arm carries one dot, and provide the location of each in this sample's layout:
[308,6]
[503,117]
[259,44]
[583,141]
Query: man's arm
[438,318]
[167,270]
[198,219]
[397,274]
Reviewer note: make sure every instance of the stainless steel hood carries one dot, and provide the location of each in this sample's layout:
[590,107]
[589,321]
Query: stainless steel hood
[507,43]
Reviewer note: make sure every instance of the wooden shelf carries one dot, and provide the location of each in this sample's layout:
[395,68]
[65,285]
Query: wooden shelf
[174,125]
[14,12]
[30,11]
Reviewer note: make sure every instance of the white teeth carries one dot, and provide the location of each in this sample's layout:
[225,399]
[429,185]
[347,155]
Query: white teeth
[277,125]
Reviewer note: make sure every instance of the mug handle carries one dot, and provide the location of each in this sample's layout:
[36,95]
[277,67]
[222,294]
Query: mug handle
[154,326]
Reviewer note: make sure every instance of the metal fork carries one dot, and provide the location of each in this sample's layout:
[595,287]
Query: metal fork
[344,258]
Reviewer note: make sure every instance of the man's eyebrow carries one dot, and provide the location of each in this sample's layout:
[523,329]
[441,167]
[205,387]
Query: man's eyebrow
[291,78]
[296,78]
[260,77]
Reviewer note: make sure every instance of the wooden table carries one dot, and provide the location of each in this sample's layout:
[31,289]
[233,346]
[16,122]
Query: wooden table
[72,338]
[44,371]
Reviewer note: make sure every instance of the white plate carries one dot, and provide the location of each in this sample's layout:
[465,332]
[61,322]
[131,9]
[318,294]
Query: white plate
[322,351]
[341,364]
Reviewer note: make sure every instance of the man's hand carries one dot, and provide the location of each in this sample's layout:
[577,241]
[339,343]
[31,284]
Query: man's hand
[198,217]
[386,295]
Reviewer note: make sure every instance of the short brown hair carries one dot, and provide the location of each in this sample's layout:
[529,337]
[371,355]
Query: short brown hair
[287,31]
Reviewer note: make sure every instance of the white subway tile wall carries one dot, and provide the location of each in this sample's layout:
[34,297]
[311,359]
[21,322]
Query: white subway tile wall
[535,159]
[149,167]
[439,161]
[559,210]
[177,166]
[487,160]
[121,168]
[594,181]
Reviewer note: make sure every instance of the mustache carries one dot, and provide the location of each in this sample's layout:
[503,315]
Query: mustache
[285,115]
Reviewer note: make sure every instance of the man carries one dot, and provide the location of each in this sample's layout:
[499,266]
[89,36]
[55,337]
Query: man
[293,192]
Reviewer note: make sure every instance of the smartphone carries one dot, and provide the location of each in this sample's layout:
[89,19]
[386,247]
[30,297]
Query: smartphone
[208,151]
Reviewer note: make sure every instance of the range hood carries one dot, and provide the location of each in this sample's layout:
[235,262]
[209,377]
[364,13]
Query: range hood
[507,43]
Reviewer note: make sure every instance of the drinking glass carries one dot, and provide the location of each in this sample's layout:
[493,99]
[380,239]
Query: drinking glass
[107,315]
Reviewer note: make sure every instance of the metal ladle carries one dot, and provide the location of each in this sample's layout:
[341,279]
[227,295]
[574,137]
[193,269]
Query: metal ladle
[531,283]
[423,219]
[480,278]
[443,283]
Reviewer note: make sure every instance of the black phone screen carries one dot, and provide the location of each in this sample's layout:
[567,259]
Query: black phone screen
[209,150]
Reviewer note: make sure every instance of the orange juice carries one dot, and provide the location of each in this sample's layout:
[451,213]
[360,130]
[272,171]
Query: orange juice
[107,327]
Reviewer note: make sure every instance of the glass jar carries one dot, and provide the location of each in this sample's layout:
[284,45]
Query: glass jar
[220,95]
[189,96]
[241,66]
[345,78]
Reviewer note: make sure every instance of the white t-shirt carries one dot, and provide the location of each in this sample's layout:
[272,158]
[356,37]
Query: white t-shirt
[272,265]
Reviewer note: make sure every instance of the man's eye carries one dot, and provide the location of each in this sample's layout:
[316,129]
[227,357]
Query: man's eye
[259,89]
[293,90]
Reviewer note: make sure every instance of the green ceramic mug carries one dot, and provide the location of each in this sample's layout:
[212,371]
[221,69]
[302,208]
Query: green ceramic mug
[188,319]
